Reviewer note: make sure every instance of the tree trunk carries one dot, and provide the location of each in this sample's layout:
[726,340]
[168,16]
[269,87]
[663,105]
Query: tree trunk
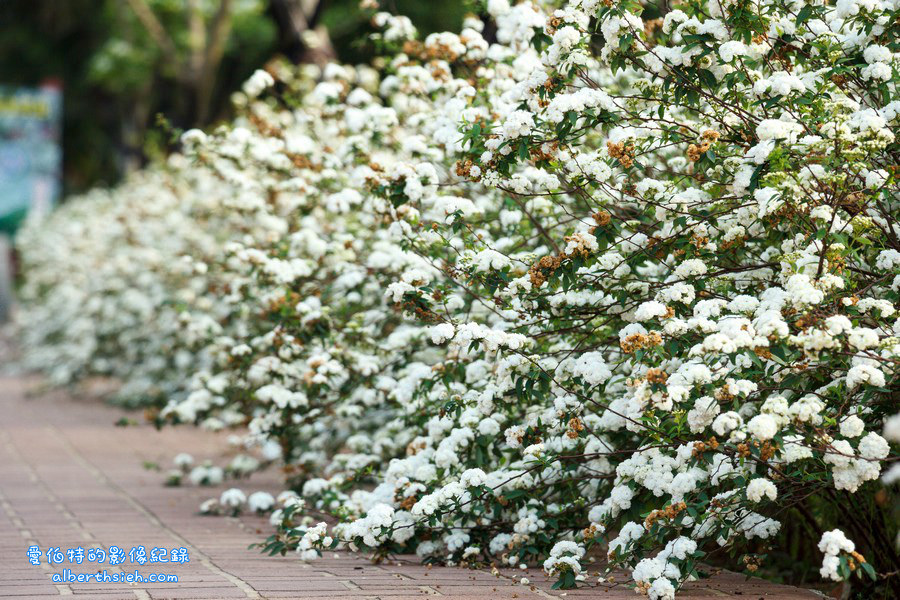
[302,37]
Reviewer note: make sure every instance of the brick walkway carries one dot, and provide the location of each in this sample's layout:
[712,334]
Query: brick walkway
[69,478]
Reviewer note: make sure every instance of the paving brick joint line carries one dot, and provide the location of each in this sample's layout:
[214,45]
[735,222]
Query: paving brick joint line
[69,478]
[146,512]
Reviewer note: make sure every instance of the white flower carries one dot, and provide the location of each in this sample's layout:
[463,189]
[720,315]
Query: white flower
[863,338]
[864,374]
[873,446]
[691,268]
[888,260]
[183,460]
[193,137]
[762,427]
[852,426]
[260,501]
[769,129]
[519,123]
[514,436]
[703,413]
[832,544]
[662,589]
[650,310]
[258,82]
[442,332]
[591,367]
[232,498]
[727,422]
[758,488]
[892,428]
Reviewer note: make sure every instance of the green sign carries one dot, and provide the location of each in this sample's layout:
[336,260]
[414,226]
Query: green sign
[29,152]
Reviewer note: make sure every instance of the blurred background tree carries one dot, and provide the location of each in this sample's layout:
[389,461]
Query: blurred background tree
[124,64]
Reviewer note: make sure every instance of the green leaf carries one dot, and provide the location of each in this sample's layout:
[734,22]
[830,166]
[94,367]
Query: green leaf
[523,151]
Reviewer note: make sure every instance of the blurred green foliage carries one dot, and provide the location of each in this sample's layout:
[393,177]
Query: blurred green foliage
[120,76]
[347,25]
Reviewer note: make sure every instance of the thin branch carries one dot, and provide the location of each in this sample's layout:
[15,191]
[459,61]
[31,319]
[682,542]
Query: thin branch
[217,36]
[156,30]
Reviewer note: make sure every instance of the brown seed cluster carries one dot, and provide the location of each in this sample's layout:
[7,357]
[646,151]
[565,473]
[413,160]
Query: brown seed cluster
[540,270]
[590,532]
[855,557]
[575,427]
[601,218]
[553,24]
[698,241]
[415,447]
[289,300]
[637,341]
[263,126]
[464,169]
[580,249]
[543,268]
[733,243]
[723,395]
[669,513]
[701,447]
[622,152]
[538,154]
[717,503]
[425,315]
[752,562]
[708,138]
[657,376]
[763,353]
[767,451]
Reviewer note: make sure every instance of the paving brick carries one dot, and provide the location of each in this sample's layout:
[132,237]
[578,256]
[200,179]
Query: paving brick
[68,477]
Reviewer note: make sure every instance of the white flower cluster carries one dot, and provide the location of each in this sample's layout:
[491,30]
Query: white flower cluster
[526,290]
[832,545]
[564,556]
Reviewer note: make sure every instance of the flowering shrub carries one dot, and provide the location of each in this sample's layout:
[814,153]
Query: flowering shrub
[623,280]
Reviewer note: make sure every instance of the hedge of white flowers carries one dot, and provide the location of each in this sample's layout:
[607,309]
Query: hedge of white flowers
[621,282]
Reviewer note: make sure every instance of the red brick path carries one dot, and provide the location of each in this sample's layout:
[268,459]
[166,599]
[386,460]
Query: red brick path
[69,478]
